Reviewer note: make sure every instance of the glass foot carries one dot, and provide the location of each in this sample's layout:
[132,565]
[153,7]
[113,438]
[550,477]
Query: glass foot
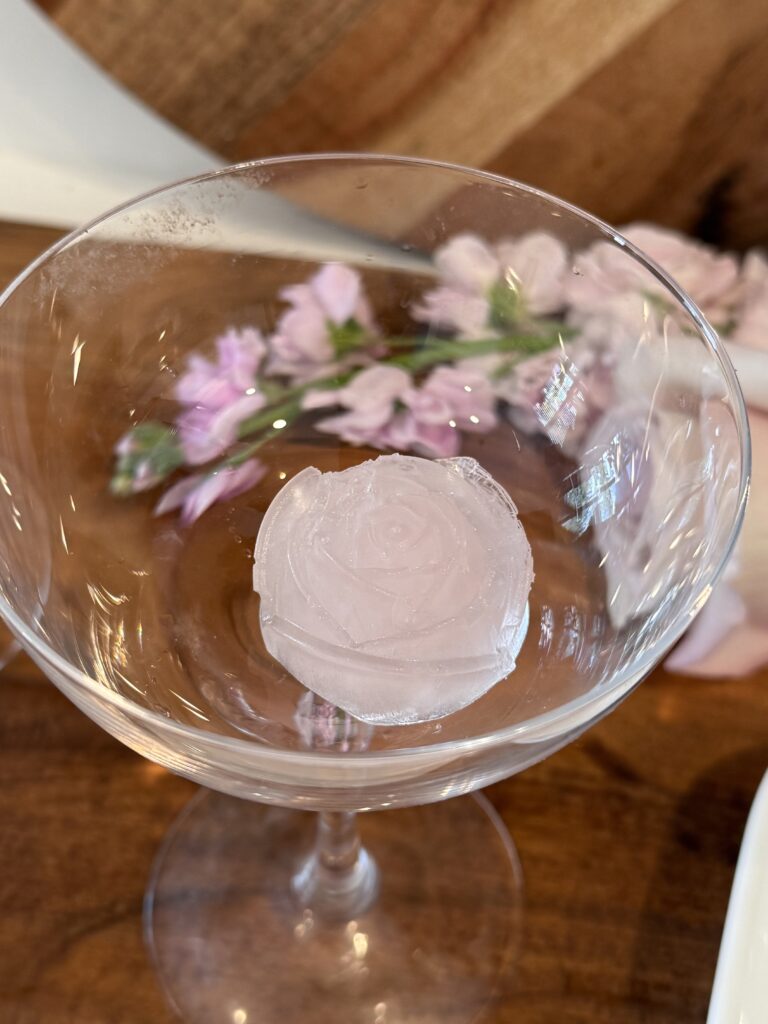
[233,944]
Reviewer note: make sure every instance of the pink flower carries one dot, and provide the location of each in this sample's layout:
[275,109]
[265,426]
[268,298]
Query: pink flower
[219,396]
[455,393]
[538,263]
[452,309]
[606,273]
[215,385]
[369,398]
[532,268]
[645,490]
[385,409]
[450,400]
[195,494]
[752,315]
[730,635]
[302,342]
[468,264]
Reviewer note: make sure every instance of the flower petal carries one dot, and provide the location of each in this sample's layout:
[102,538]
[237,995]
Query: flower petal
[338,288]
[225,483]
[175,496]
[466,262]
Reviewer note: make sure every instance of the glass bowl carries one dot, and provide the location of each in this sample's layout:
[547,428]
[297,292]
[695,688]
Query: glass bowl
[618,429]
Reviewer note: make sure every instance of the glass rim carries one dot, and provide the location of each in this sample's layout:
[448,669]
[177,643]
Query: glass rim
[571,714]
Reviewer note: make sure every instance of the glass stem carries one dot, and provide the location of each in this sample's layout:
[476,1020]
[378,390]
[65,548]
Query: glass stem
[339,880]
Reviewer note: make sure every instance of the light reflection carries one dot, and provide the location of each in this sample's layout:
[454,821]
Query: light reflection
[279,424]
[77,351]
[547,627]
[190,706]
[571,636]
[701,600]
[63,535]
[555,413]
[305,926]
[104,599]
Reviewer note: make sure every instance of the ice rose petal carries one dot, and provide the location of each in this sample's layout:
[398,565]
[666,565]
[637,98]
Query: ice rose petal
[396,590]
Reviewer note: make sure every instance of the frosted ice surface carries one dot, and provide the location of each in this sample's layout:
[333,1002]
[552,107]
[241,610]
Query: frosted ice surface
[397,589]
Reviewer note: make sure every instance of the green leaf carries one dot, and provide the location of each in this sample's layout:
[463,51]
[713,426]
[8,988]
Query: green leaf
[506,305]
[153,443]
[346,337]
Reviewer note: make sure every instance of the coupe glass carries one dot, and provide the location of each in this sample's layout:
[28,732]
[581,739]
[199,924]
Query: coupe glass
[258,910]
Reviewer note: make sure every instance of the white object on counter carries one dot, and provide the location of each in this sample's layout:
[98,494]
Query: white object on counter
[740,992]
[74,143]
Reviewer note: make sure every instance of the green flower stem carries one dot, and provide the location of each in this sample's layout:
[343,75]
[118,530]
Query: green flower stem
[285,404]
[425,355]
[443,351]
[288,411]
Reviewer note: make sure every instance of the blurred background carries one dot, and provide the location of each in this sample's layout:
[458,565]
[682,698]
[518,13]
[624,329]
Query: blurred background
[651,109]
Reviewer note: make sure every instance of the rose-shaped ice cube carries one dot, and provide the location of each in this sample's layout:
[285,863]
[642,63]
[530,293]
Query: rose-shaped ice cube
[397,589]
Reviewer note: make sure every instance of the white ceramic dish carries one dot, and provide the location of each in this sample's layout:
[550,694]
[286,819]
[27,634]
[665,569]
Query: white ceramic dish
[740,992]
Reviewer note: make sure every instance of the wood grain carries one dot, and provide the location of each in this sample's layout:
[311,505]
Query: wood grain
[628,840]
[654,109]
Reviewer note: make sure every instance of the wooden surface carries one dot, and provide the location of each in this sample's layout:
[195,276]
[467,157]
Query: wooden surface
[628,840]
[646,109]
